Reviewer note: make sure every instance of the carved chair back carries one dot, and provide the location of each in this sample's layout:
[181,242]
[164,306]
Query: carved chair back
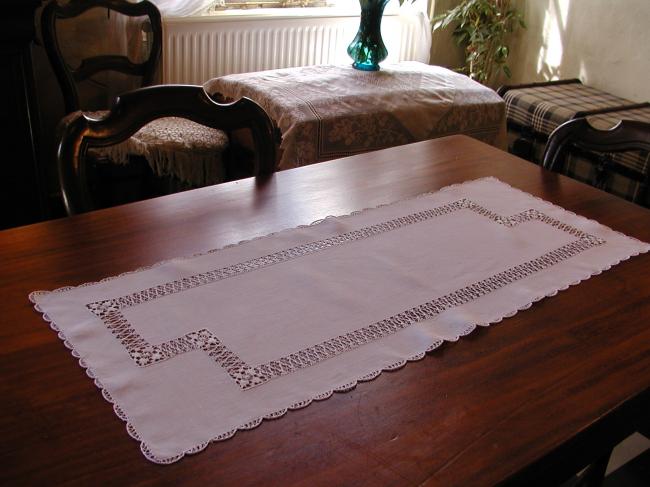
[598,145]
[69,77]
[135,109]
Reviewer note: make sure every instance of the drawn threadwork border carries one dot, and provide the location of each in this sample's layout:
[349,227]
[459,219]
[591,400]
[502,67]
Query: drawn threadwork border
[247,376]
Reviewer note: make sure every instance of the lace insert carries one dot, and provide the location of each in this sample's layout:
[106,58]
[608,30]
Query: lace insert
[194,349]
[145,354]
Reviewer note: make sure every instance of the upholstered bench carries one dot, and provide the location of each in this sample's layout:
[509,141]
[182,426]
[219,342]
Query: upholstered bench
[534,110]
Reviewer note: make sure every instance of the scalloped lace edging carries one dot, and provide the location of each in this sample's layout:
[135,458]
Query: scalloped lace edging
[146,450]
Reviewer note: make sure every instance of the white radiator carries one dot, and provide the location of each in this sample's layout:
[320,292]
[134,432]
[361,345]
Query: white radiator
[199,48]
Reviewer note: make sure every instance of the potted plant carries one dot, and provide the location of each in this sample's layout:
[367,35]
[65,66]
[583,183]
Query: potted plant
[482,27]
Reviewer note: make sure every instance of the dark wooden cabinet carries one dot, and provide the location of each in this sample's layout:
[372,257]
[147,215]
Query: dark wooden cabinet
[22,196]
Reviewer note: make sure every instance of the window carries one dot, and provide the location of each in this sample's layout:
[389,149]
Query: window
[189,8]
[340,6]
[244,4]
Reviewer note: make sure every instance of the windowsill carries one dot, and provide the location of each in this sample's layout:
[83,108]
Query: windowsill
[277,14]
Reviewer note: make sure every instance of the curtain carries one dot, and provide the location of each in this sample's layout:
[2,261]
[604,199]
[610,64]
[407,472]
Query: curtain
[421,9]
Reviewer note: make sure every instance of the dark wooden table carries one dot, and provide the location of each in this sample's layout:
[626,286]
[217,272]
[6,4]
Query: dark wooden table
[523,402]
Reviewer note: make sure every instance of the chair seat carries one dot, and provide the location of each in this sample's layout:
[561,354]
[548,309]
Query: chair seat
[174,147]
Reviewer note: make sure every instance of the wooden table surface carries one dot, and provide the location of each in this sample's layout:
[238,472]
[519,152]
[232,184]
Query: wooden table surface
[516,403]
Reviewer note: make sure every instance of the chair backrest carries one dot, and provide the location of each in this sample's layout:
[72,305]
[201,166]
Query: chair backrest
[135,109]
[627,135]
[69,77]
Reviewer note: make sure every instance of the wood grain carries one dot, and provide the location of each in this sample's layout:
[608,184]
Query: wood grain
[520,402]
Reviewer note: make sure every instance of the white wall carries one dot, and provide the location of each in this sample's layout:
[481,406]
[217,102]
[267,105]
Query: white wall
[605,43]
[444,51]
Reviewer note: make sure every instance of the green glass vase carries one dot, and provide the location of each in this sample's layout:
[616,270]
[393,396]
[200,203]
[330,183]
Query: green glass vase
[367,49]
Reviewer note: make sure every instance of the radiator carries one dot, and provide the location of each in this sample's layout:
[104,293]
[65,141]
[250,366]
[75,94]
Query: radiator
[199,48]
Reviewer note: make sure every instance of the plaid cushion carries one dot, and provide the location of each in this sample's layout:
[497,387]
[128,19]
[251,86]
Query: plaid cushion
[543,108]
[633,160]
[617,184]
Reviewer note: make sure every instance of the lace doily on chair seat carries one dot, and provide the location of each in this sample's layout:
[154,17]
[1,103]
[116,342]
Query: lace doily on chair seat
[174,146]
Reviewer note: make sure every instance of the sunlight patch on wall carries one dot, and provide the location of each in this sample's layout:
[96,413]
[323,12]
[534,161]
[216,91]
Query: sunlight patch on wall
[555,20]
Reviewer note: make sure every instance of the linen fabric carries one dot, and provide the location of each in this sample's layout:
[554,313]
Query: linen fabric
[326,112]
[194,349]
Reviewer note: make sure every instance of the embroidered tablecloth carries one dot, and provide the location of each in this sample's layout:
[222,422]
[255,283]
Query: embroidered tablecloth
[325,112]
[194,349]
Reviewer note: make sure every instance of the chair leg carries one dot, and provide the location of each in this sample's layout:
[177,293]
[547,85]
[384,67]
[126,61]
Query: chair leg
[594,475]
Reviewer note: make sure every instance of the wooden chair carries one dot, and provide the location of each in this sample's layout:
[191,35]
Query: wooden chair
[132,110]
[155,142]
[598,146]
[69,77]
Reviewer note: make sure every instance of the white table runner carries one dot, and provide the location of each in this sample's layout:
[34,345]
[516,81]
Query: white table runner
[193,349]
